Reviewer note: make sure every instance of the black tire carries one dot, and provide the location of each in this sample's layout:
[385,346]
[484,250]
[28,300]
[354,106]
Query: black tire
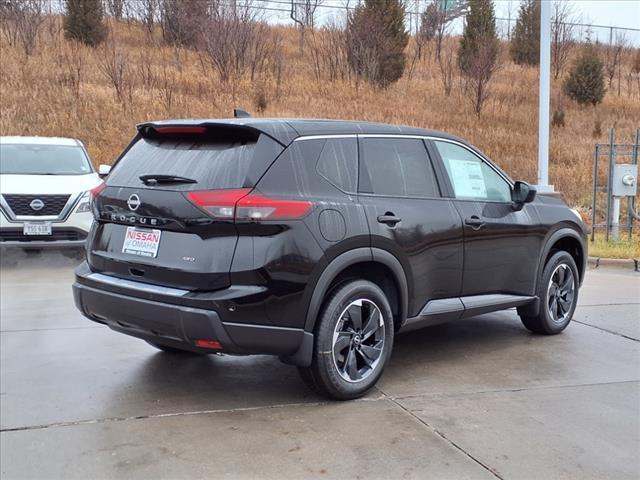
[173,350]
[556,309]
[357,366]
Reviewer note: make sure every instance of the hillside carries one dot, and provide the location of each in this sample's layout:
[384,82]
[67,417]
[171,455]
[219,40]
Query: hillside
[63,89]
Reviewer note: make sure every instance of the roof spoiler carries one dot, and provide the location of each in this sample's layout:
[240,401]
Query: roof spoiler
[212,130]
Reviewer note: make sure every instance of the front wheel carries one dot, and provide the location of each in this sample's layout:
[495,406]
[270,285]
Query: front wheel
[353,341]
[558,294]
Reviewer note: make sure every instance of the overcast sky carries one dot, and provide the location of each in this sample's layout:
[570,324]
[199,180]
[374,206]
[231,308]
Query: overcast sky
[618,13]
[615,13]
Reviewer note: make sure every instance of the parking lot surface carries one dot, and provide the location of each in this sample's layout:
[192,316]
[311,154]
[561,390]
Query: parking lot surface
[482,398]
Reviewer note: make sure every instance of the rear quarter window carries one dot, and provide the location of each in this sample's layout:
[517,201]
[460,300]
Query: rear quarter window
[338,163]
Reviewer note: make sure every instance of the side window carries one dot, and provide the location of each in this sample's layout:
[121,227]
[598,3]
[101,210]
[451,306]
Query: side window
[338,163]
[398,167]
[471,177]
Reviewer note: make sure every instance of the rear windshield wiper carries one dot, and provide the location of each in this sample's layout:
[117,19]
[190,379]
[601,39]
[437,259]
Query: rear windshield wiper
[152,179]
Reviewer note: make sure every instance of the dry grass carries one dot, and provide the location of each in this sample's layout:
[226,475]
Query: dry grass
[623,248]
[38,98]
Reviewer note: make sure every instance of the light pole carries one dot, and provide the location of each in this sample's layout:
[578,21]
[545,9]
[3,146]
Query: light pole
[544,99]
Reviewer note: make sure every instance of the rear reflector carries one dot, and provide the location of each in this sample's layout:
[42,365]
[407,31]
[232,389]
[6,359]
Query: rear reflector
[240,205]
[208,344]
[180,130]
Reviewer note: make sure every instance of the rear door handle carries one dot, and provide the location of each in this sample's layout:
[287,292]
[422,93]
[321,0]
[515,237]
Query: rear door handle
[389,219]
[474,222]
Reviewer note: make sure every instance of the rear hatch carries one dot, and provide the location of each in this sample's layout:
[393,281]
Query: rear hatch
[153,225]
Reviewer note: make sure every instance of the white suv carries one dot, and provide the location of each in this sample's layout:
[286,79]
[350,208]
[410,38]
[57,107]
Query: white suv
[45,186]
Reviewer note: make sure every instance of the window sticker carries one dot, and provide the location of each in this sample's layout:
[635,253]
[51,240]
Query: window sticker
[467,178]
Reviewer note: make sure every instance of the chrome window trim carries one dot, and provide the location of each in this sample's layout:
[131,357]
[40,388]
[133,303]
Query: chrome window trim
[324,137]
[423,137]
[481,157]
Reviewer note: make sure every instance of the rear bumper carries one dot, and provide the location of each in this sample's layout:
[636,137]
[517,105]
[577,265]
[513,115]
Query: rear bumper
[165,322]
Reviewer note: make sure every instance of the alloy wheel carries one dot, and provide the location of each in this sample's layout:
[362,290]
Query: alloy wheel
[358,340]
[560,293]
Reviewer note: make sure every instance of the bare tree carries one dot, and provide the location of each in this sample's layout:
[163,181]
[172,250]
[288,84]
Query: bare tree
[146,11]
[184,20]
[561,35]
[329,53]
[144,66]
[115,8]
[446,64]
[22,21]
[435,22]
[303,14]
[437,18]
[167,86]
[9,22]
[476,81]
[72,60]
[237,41]
[113,62]
[613,56]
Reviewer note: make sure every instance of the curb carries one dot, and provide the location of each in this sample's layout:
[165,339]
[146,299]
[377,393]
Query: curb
[596,262]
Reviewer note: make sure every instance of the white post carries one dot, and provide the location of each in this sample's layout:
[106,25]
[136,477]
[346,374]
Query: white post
[544,99]
[615,221]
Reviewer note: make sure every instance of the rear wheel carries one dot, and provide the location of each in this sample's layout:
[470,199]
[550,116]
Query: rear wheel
[558,294]
[353,341]
[166,349]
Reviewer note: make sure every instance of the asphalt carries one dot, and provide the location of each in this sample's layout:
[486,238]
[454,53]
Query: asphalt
[482,398]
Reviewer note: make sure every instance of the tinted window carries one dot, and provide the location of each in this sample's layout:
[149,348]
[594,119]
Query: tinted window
[214,165]
[338,163]
[397,167]
[471,177]
[43,160]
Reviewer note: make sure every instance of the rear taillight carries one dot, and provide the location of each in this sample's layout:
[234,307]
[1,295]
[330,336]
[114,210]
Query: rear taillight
[240,205]
[259,207]
[95,191]
[220,204]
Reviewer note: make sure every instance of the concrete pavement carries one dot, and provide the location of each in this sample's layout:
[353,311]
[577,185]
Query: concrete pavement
[481,398]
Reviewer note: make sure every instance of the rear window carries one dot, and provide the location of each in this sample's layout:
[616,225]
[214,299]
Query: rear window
[20,159]
[212,164]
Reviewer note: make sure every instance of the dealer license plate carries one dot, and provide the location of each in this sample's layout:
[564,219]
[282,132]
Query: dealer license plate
[140,241]
[40,228]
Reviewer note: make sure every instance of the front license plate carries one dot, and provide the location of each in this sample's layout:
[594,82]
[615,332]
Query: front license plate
[141,241]
[40,228]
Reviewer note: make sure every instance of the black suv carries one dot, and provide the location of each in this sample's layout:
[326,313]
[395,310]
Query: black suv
[318,241]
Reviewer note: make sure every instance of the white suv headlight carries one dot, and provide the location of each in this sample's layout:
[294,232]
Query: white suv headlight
[85,203]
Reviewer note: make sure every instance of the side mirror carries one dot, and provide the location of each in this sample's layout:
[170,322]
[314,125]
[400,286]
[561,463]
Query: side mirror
[522,193]
[103,170]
